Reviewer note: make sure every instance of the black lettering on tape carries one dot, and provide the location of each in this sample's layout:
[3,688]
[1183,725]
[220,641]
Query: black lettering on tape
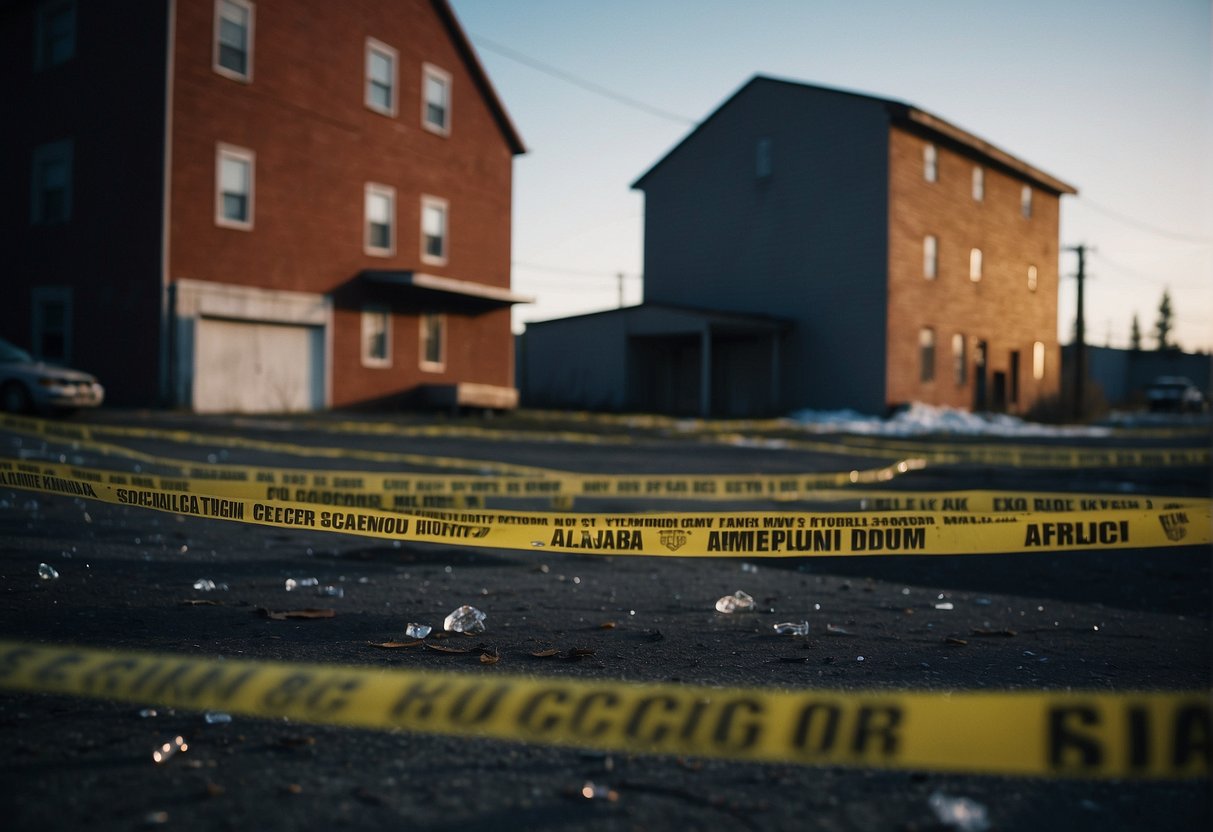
[1066,740]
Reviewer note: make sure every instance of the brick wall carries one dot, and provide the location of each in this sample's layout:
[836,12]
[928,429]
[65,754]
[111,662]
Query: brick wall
[1000,309]
[316,146]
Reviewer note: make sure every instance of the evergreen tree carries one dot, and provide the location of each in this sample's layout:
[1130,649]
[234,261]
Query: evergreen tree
[1162,329]
[1135,335]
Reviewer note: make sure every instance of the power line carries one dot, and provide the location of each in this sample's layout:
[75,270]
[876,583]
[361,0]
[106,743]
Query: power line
[590,86]
[575,272]
[1183,238]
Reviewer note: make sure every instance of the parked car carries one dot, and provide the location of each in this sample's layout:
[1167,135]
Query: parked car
[28,386]
[1174,394]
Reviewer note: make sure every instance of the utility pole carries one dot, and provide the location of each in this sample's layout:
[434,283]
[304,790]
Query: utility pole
[619,278]
[1080,335]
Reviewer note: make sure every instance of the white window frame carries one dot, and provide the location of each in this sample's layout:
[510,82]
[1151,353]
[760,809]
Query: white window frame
[975,265]
[429,71]
[1033,278]
[60,152]
[370,315]
[960,360]
[220,69]
[428,202]
[926,347]
[387,191]
[376,47]
[979,183]
[930,257]
[930,162]
[1038,360]
[225,152]
[1025,201]
[43,58]
[39,297]
[424,363]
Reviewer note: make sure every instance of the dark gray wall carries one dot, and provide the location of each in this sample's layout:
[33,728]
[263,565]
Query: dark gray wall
[575,363]
[809,242]
[1122,375]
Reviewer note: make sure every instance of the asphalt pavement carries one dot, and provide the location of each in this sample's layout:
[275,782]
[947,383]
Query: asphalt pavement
[1130,619]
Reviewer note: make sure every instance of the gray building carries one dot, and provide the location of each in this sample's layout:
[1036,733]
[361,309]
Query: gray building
[808,247]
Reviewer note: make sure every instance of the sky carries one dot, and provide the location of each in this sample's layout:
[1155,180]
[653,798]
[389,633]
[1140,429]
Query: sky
[1114,97]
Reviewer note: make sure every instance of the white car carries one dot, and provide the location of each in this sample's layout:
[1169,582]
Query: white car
[28,386]
[1174,394]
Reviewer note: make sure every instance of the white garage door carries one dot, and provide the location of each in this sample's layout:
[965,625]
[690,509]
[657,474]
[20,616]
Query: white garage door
[247,367]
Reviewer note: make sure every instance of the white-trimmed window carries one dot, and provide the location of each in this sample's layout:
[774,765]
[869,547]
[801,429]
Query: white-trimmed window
[1032,278]
[926,353]
[234,172]
[433,342]
[376,336]
[930,257]
[51,183]
[1038,360]
[1025,201]
[380,220]
[975,265]
[54,33]
[436,99]
[930,163]
[960,361]
[979,183]
[434,231]
[233,56]
[52,323]
[381,61]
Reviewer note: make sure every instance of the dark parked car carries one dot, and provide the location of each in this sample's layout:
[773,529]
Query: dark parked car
[1174,394]
[27,385]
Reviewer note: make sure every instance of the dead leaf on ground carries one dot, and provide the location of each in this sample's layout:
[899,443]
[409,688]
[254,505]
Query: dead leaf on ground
[391,645]
[982,631]
[442,648]
[578,652]
[200,602]
[954,640]
[490,657]
[546,653]
[607,625]
[310,612]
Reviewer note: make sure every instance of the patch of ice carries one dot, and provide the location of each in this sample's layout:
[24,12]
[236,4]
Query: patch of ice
[920,419]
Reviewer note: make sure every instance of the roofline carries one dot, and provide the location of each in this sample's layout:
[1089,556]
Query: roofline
[771,320]
[479,77]
[899,113]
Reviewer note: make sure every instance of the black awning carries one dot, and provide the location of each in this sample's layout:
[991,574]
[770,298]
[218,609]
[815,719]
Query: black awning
[442,293]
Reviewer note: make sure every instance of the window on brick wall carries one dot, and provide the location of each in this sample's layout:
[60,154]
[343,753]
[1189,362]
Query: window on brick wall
[380,201]
[1032,278]
[433,342]
[51,183]
[930,163]
[1025,201]
[975,265]
[54,33]
[433,230]
[436,100]
[979,183]
[380,77]
[376,336]
[1038,360]
[960,361]
[930,257]
[234,171]
[233,55]
[926,353]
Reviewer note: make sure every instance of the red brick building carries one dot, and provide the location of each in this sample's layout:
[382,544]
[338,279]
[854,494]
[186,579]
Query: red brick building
[258,205]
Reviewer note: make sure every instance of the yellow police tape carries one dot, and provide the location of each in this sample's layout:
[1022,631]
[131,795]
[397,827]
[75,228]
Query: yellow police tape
[404,492]
[721,534]
[1137,735]
[952,453]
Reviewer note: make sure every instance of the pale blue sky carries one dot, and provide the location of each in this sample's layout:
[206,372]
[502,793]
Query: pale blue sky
[1112,96]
